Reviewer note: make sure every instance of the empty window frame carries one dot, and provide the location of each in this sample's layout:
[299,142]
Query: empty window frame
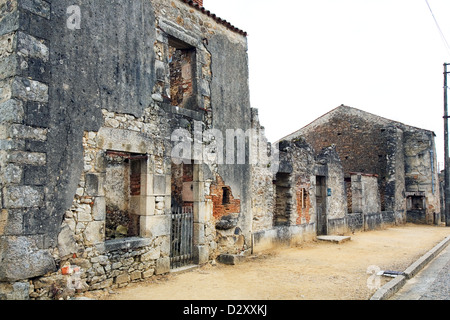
[122,194]
[182,66]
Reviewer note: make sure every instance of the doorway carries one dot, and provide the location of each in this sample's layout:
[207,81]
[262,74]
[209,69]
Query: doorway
[321,205]
[182,216]
[282,214]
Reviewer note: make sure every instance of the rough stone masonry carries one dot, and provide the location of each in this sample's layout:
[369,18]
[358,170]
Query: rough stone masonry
[96,99]
[86,112]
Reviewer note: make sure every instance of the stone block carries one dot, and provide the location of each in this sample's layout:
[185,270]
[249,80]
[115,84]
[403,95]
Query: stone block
[122,140]
[12,174]
[26,89]
[123,278]
[135,275]
[149,273]
[21,259]
[165,245]
[35,146]
[23,197]
[3,221]
[230,259]
[29,46]
[148,205]
[30,158]
[153,254]
[162,266]
[9,66]
[66,242]
[84,213]
[201,254]
[94,185]
[99,209]
[102,285]
[20,292]
[18,131]
[12,111]
[95,232]
[159,185]
[155,226]
[146,184]
[34,175]
[123,244]
[39,7]
[199,232]
[12,145]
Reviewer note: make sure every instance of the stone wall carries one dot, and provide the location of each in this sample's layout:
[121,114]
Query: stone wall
[86,106]
[393,151]
[421,171]
[293,199]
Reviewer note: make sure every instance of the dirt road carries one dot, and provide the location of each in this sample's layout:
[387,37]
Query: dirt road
[315,271]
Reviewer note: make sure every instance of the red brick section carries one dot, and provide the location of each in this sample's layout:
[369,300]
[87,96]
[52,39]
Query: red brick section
[135,184]
[216,195]
[303,197]
[199,2]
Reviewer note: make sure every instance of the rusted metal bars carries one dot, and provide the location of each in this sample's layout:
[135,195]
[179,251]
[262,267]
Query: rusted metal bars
[181,250]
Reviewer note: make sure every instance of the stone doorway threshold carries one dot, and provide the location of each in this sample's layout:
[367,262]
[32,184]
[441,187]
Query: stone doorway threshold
[334,239]
[184,269]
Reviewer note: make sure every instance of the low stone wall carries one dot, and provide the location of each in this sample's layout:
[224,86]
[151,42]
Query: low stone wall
[285,236]
[113,264]
[337,226]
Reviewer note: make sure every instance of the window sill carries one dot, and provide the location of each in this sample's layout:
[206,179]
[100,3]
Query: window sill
[123,244]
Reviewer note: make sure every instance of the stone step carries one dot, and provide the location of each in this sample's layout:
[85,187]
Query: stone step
[334,239]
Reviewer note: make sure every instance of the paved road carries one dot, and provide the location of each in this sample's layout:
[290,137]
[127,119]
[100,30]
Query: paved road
[432,283]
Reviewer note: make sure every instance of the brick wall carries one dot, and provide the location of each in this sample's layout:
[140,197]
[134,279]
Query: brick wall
[220,207]
[361,145]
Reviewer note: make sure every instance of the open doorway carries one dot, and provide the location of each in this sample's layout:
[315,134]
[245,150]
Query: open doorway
[321,205]
[283,205]
[182,216]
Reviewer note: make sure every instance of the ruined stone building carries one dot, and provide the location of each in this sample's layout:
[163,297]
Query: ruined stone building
[399,159]
[129,149]
[106,111]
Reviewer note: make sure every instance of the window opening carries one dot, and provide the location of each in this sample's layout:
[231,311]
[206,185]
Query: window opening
[123,190]
[182,74]
[226,195]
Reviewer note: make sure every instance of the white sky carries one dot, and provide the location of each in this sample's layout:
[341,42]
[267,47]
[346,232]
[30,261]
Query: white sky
[307,57]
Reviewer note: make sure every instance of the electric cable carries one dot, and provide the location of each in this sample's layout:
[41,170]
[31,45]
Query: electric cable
[439,28]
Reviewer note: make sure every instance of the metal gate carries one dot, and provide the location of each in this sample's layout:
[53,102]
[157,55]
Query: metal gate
[181,238]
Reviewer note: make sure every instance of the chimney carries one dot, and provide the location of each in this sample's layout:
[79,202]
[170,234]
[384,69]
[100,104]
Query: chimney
[199,2]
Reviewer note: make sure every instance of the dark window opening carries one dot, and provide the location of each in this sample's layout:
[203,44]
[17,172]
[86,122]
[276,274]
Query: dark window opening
[226,195]
[182,74]
[416,203]
[348,189]
[283,205]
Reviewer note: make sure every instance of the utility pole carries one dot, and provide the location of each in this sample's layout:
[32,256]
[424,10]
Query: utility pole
[446,149]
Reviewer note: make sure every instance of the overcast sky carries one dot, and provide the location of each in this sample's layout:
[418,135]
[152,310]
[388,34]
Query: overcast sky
[307,57]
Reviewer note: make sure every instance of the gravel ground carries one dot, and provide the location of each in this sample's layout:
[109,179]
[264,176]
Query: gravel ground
[314,271]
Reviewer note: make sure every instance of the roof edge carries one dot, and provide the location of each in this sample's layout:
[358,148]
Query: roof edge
[397,123]
[215,17]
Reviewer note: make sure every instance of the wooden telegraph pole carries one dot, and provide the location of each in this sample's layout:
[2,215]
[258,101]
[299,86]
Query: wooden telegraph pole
[446,150]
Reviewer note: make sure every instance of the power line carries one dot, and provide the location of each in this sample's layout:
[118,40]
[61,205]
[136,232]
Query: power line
[439,28]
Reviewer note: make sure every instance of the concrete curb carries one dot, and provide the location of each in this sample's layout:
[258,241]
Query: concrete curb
[393,286]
